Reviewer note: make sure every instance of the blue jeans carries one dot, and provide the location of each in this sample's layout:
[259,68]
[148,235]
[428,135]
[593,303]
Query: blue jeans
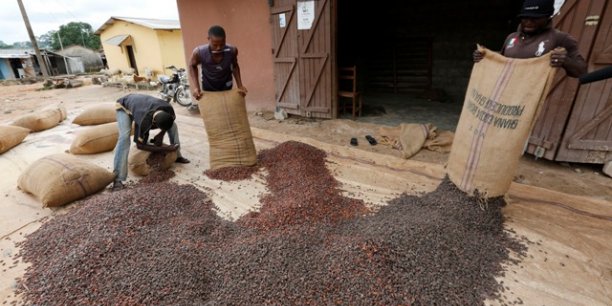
[122,150]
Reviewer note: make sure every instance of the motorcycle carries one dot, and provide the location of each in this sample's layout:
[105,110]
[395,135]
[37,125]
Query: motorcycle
[176,87]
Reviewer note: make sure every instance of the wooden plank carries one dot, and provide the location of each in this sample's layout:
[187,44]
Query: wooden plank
[279,44]
[284,87]
[288,105]
[316,82]
[321,6]
[285,56]
[281,9]
[318,109]
[285,60]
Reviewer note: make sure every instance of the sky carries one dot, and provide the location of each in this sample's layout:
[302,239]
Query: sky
[47,15]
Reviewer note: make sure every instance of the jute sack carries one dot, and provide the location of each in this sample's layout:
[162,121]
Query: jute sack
[410,138]
[501,105]
[11,136]
[42,120]
[137,161]
[61,178]
[227,125]
[96,139]
[98,114]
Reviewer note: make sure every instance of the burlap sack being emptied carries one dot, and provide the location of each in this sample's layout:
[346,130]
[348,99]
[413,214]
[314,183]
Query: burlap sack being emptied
[42,120]
[96,139]
[137,161]
[228,129]
[501,105]
[98,114]
[60,179]
[11,136]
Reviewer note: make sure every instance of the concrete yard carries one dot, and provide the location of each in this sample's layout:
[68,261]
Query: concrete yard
[565,210]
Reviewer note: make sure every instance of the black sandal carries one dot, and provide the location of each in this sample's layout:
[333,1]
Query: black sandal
[353,141]
[181,160]
[371,140]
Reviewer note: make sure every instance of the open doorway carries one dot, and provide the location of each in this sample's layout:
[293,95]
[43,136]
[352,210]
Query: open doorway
[132,58]
[414,58]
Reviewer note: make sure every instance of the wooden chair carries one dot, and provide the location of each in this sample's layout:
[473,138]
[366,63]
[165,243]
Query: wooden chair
[348,76]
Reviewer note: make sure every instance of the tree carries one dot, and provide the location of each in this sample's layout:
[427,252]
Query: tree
[45,41]
[74,33]
[3,45]
[22,45]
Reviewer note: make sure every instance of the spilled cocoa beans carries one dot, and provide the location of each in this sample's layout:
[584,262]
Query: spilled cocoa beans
[163,243]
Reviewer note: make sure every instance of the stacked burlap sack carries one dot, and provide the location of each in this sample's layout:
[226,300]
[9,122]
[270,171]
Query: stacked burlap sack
[42,120]
[14,134]
[59,179]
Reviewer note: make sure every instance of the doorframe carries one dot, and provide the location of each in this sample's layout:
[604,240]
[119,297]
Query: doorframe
[131,58]
[334,58]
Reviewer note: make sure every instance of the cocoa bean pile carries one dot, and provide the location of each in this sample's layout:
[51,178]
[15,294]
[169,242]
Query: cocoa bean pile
[162,243]
[231,173]
[302,190]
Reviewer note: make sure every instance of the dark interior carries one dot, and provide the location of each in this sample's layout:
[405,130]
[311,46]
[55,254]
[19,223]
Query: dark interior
[418,53]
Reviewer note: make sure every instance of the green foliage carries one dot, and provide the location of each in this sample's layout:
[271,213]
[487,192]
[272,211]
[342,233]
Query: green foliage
[73,33]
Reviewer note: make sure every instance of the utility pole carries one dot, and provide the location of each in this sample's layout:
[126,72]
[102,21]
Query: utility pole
[63,56]
[41,62]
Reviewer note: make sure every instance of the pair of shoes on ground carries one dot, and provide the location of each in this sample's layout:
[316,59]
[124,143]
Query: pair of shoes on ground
[369,138]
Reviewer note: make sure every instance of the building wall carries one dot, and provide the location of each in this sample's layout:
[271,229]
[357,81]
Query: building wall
[247,27]
[145,44]
[5,68]
[171,48]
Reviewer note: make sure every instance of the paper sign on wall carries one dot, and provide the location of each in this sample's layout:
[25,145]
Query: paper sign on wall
[305,14]
[282,22]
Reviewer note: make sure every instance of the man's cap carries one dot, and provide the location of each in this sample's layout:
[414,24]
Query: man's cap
[537,8]
[163,120]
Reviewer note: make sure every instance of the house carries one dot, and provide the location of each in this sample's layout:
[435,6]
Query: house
[146,45]
[13,63]
[22,63]
[290,52]
[91,59]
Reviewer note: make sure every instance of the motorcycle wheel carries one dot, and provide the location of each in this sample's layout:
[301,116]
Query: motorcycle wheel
[182,96]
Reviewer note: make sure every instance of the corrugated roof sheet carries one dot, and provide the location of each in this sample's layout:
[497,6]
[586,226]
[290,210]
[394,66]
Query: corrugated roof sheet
[116,40]
[156,24]
[16,53]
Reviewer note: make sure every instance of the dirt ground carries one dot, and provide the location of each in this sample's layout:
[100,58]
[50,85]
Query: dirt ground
[577,179]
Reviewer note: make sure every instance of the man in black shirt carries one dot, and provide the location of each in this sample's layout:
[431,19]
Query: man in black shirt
[147,113]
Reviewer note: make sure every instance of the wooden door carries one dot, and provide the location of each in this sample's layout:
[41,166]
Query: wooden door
[285,55]
[304,64]
[548,131]
[588,136]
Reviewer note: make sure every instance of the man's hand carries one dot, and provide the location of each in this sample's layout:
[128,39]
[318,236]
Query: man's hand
[196,93]
[558,57]
[242,91]
[156,149]
[159,139]
[478,56]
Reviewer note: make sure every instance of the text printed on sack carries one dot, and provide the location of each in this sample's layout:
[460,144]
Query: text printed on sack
[491,112]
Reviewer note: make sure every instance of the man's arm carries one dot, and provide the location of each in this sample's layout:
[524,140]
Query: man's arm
[196,92]
[568,56]
[236,73]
